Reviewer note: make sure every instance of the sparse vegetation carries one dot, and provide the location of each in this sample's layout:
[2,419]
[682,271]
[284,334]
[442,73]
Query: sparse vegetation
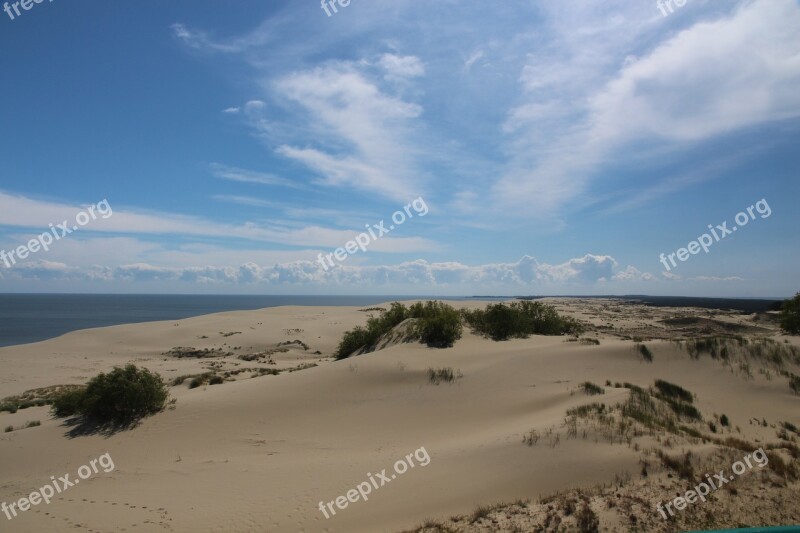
[34,397]
[438,325]
[296,341]
[587,519]
[531,438]
[591,389]
[670,390]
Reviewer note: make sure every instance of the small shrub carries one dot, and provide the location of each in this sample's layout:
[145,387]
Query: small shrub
[9,429]
[790,315]
[646,353]
[216,380]
[68,403]
[439,325]
[724,421]
[197,382]
[33,424]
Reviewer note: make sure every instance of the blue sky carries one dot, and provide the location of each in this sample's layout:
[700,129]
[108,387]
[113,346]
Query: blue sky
[559,147]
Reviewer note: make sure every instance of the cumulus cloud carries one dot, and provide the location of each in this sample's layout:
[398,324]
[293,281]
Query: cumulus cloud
[527,272]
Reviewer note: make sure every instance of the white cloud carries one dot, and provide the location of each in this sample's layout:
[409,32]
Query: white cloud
[708,80]
[20,211]
[401,67]
[527,272]
[249,176]
[366,129]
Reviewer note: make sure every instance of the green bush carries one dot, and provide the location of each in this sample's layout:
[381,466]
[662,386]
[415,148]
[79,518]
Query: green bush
[790,315]
[120,397]
[68,403]
[439,325]
[519,320]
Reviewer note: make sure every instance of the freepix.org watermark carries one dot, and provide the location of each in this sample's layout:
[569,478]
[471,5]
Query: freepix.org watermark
[705,240]
[328,5]
[24,4]
[57,231]
[703,489]
[664,5]
[364,489]
[362,240]
[57,486]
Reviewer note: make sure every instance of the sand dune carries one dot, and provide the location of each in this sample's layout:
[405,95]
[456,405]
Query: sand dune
[259,454]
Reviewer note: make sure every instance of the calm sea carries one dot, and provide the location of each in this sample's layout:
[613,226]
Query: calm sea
[28,318]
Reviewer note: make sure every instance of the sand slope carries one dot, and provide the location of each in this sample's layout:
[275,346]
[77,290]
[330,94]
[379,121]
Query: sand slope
[260,454]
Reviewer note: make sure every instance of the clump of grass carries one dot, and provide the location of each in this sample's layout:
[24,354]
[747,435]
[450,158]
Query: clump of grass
[794,383]
[723,420]
[33,424]
[9,429]
[647,355]
[216,380]
[670,390]
[588,522]
[787,471]
[591,389]
[584,411]
[440,375]
[296,341]
[590,341]
[682,466]
[531,438]
[480,513]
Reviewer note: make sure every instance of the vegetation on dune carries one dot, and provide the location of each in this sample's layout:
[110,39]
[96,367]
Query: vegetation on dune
[519,320]
[440,375]
[591,389]
[646,353]
[670,390]
[120,397]
[437,325]
[790,315]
